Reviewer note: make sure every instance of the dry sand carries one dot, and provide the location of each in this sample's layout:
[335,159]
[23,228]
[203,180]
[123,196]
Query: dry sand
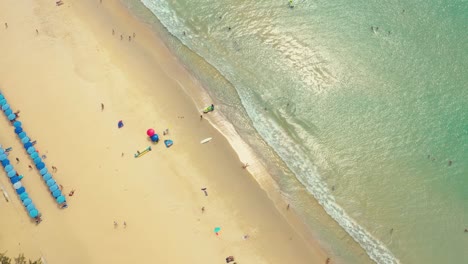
[58,79]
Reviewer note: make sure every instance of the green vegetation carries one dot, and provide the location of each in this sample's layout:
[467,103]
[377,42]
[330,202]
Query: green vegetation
[18,260]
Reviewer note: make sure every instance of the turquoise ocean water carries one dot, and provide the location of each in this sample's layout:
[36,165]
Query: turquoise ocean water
[359,109]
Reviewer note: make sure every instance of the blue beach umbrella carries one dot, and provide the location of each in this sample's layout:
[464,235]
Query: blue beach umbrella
[37,160]
[3,157]
[24,196]
[18,130]
[43,171]
[217,229]
[17,124]
[40,165]
[14,179]
[25,140]
[33,213]
[5,107]
[12,117]
[2,97]
[2,151]
[27,202]
[56,193]
[8,168]
[54,188]
[5,162]
[60,199]
[31,150]
[31,206]
[50,182]
[11,173]
[17,185]
[20,190]
[47,177]
[3,101]
[27,145]
[34,154]
[22,134]
[8,112]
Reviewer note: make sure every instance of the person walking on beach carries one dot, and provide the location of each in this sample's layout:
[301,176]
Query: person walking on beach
[72,192]
[125,224]
[204,190]
[37,32]
[201,117]
[30,167]
[6,25]
[102,107]
[203,210]
[17,160]
[54,169]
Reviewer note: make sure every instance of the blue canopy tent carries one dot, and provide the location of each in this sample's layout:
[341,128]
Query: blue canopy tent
[11,173]
[57,193]
[18,130]
[27,202]
[53,188]
[50,182]
[43,171]
[17,124]
[24,196]
[47,177]
[20,190]
[33,213]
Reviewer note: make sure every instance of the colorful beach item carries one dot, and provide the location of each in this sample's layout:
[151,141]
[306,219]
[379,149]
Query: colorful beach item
[168,143]
[208,109]
[141,153]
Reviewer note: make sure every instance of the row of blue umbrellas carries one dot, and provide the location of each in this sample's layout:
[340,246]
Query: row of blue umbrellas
[6,108]
[17,185]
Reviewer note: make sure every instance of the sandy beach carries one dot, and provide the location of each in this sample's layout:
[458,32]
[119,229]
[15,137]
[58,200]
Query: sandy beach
[84,53]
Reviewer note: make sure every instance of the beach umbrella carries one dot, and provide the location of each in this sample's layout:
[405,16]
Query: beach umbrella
[20,190]
[53,188]
[61,199]
[17,185]
[217,229]
[27,202]
[43,171]
[37,160]
[27,145]
[8,112]
[2,97]
[120,124]
[40,165]
[2,150]
[22,134]
[34,154]
[12,117]
[50,182]
[56,193]
[155,138]
[25,140]
[11,173]
[24,196]
[47,177]
[8,168]
[33,213]
[3,157]
[5,107]
[5,162]
[14,179]
[18,130]
[17,124]
[150,132]
[3,101]
[31,206]
[31,150]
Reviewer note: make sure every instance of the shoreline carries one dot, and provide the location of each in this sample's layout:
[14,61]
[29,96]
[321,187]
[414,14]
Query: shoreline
[131,62]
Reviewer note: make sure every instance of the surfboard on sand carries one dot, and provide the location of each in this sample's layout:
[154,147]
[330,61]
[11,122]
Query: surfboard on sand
[139,154]
[206,140]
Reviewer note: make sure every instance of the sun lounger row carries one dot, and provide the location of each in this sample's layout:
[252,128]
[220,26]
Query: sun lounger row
[34,155]
[15,180]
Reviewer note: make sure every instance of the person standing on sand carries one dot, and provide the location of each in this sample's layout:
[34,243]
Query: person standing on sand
[102,107]
[37,32]
[17,160]
[245,165]
[201,117]
[6,25]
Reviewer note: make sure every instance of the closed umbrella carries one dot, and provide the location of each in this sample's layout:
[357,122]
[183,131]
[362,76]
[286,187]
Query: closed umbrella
[3,157]
[20,190]
[17,185]
[43,171]
[61,199]
[25,140]
[11,117]
[17,124]
[22,134]
[24,196]
[33,213]
[11,173]
[57,193]
[18,130]
[53,188]
[8,168]
[50,182]
[31,150]
[47,177]
[40,165]
[27,202]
